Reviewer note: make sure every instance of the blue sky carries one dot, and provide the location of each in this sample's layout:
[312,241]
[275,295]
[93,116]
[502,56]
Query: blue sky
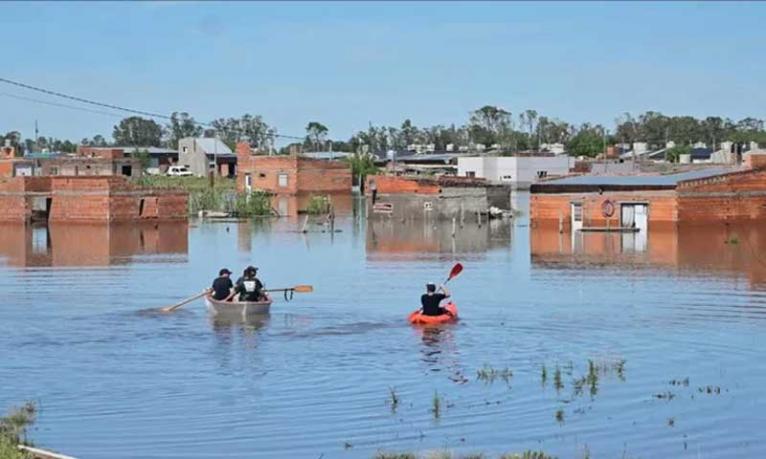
[346,64]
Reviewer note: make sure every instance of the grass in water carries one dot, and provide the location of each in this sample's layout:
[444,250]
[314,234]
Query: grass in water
[13,431]
[528,454]
[436,405]
[543,375]
[489,374]
[557,379]
[393,399]
[560,416]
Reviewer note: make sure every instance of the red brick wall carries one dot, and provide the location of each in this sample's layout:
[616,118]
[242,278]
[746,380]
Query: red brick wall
[755,161]
[735,196]
[7,152]
[545,209]
[100,152]
[304,175]
[317,175]
[390,184]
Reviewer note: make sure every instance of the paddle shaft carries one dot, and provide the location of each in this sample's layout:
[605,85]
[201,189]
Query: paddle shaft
[186,301]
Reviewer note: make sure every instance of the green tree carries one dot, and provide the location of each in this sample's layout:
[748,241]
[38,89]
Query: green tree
[673,154]
[490,125]
[182,125]
[316,133]
[135,131]
[588,141]
[362,165]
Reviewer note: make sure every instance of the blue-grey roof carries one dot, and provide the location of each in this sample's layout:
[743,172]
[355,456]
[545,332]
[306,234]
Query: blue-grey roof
[213,146]
[640,180]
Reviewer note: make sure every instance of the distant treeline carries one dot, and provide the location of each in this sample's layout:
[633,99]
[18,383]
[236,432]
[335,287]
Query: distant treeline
[488,126]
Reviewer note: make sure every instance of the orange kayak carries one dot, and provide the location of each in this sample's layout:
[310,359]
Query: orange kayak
[417,318]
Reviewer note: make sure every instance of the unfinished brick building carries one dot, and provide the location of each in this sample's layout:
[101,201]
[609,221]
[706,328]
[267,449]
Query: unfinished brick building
[86,199]
[290,175]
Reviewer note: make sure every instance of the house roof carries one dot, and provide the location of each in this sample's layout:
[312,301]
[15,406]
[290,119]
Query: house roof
[213,146]
[626,182]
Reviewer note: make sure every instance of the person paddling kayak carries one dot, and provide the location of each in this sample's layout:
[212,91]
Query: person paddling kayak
[431,300]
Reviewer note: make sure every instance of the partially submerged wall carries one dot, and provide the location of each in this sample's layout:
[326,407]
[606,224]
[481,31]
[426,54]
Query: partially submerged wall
[728,197]
[556,208]
[98,199]
[423,198]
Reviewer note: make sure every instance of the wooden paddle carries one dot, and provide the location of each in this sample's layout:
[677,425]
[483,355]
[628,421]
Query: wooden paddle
[181,303]
[297,288]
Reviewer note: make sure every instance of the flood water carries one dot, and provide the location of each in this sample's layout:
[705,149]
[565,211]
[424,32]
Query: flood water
[673,327]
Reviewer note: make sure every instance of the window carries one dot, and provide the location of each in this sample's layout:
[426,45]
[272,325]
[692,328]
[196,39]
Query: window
[262,175]
[470,173]
[282,180]
[542,174]
[184,149]
[54,171]
[248,183]
[506,178]
[577,212]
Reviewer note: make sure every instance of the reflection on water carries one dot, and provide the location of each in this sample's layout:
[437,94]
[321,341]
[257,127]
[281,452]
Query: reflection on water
[390,239]
[63,244]
[725,248]
[291,205]
[614,325]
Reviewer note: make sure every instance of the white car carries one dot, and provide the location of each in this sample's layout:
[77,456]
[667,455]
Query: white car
[179,171]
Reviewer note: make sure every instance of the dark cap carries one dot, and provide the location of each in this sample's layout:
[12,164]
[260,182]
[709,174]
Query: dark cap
[251,269]
[431,287]
[223,271]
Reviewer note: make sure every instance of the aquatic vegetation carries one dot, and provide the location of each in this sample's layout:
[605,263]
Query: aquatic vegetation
[560,416]
[557,383]
[387,455]
[679,382]
[347,445]
[489,374]
[671,422]
[254,204]
[436,405]
[543,376]
[318,205]
[709,390]
[529,454]
[665,396]
[13,430]
[393,399]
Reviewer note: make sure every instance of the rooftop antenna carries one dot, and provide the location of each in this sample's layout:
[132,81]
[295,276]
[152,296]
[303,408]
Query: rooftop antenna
[37,133]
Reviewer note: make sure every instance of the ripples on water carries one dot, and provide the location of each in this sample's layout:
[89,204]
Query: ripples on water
[114,379]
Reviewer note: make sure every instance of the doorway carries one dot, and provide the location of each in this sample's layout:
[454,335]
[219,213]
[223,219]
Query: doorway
[635,215]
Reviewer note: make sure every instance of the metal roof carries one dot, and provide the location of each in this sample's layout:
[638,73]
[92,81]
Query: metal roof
[669,180]
[213,146]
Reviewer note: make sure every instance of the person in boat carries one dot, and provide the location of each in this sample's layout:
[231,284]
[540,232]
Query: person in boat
[223,288]
[432,299]
[249,287]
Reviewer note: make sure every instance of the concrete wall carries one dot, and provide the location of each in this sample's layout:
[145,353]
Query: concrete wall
[88,166]
[518,171]
[193,157]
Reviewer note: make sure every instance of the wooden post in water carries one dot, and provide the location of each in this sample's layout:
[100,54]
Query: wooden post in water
[462,212]
[454,226]
[478,217]
[305,222]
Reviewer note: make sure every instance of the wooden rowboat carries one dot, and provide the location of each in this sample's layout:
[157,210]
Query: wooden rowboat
[237,308]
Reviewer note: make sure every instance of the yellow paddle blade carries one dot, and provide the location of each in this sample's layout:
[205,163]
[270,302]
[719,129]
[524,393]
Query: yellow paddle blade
[303,288]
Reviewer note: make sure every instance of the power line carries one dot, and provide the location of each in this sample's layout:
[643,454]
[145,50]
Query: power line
[112,106]
[55,104]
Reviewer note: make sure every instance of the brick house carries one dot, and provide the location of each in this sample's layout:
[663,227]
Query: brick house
[290,175]
[637,202]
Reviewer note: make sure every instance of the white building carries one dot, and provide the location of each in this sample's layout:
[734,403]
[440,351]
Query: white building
[205,155]
[518,171]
